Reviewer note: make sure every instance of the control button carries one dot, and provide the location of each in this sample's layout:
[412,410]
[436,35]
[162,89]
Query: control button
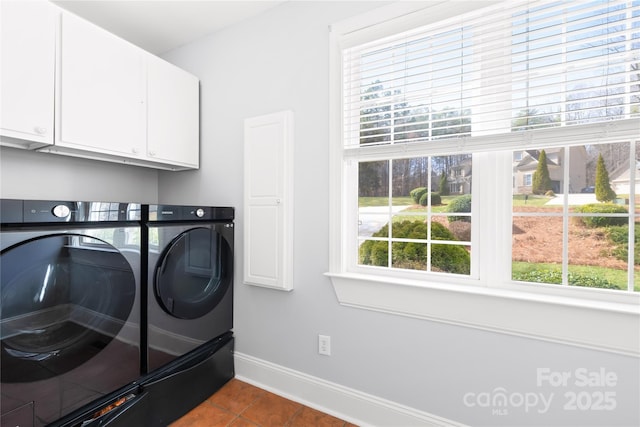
[61,211]
[199,212]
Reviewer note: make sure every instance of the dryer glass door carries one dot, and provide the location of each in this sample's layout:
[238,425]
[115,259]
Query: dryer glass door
[194,273]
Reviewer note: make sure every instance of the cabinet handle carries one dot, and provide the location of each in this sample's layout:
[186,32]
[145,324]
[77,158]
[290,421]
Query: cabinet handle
[152,153]
[134,150]
[40,130]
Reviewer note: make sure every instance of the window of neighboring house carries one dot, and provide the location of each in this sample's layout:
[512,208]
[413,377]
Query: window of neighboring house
[436,89]
[453,188]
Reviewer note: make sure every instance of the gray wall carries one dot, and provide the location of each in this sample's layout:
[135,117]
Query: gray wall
[33,175]
[279,61]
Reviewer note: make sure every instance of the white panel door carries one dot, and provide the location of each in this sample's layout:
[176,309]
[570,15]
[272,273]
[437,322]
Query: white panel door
[172,114]
[101,92]
[268,191]
[28,32]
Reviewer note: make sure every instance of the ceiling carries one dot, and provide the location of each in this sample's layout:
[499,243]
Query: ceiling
[159,26]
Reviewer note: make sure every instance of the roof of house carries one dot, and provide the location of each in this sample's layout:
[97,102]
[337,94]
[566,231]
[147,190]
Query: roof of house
[621,174]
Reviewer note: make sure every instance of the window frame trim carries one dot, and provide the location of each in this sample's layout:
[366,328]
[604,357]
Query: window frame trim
[604,326]
[568,316]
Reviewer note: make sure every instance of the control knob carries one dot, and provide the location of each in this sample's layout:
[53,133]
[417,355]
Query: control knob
[61,211]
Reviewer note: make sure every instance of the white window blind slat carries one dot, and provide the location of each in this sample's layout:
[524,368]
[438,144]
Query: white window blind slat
[589,134]
[551,64]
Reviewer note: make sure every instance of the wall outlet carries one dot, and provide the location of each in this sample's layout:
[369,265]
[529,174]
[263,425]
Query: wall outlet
[324,345]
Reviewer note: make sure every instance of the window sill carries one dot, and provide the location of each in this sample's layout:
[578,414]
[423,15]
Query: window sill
[606,326]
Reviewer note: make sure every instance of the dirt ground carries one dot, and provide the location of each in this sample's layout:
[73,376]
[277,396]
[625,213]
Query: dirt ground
[539,239]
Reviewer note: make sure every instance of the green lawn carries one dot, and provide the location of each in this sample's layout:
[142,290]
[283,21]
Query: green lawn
[365,202]
[518,200]
[614,276]
[530,200]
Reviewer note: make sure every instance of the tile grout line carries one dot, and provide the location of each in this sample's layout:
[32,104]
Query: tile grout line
[252,403]
[288,423]
[233,420]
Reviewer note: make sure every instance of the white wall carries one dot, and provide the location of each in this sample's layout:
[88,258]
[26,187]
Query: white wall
[33,175]
[279,61]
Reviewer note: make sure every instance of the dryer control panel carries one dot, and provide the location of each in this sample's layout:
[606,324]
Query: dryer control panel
[166,213]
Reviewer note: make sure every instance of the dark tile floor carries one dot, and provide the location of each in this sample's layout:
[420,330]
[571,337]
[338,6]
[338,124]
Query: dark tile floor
[239,404]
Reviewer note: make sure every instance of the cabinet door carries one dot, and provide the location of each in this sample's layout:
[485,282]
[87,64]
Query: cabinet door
[268,201]
[172,114]
[27,76]
[101,91]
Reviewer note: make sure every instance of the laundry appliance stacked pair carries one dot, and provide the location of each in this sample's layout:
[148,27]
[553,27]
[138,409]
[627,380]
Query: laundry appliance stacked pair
[109,310]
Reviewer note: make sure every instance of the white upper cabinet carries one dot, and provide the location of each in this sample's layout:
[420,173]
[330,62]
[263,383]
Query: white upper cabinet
[109,99]
[101,93]
[172,113]
[27,75]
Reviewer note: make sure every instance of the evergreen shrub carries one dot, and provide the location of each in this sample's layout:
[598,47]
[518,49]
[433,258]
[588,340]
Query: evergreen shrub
[435,199]
[460,204]
[602,221]
[411,255]
[416,194]
[603,190]
[619,235]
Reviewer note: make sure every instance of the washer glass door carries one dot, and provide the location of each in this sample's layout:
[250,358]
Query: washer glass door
[64,299]
[194,273]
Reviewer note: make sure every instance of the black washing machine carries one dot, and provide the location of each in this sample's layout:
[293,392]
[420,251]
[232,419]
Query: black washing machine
[189,281]
[70,305]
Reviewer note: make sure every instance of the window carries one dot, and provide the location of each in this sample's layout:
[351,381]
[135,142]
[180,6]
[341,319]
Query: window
[464,142]
[109,211]
[417,237]
[572,238]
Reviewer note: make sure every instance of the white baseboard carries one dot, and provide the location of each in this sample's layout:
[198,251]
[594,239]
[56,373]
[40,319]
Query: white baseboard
[345,403]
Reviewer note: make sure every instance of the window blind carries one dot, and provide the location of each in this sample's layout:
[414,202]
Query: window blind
[523,70]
